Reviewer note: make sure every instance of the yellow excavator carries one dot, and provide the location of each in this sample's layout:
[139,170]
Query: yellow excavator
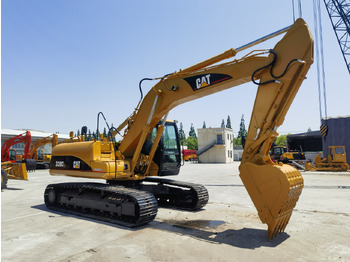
[42,159]
[149,147]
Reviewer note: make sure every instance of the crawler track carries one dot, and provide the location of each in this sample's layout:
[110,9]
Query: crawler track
[116,204]
[129,204]
[176,194]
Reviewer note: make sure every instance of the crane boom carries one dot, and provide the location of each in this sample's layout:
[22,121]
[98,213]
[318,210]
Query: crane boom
[339,14]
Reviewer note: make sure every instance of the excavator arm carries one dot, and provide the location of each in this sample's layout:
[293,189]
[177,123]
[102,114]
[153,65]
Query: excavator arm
[275,189]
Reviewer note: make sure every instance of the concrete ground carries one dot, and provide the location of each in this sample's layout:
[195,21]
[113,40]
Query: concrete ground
[227,229]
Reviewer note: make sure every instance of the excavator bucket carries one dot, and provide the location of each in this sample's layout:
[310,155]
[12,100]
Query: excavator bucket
[274,190]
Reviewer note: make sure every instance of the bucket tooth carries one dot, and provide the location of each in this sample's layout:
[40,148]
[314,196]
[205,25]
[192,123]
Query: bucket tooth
[274,190]
[285,222]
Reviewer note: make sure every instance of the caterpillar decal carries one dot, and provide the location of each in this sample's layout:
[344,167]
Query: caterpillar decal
[69,163]
[201,81]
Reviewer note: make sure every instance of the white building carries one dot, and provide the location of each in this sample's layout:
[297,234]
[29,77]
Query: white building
[35,135]
[215,145]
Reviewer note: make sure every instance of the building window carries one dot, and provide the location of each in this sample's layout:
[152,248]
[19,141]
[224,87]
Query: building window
[219,140]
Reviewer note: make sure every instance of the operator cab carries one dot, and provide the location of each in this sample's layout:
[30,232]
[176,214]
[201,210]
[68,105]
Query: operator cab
[13,155]
[40,153]
[168,154]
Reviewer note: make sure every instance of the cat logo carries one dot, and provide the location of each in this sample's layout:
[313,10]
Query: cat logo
[76,164]
[199,82]
[203,81]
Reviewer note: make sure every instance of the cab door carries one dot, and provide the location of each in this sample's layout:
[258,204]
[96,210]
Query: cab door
[171,159]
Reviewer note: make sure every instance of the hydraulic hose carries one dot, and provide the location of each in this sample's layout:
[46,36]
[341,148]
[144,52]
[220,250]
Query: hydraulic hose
[141,87]
[271,65]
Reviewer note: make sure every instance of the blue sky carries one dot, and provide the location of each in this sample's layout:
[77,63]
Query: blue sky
[64,61]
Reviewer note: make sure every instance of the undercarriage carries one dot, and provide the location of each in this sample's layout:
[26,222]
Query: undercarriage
[129,204]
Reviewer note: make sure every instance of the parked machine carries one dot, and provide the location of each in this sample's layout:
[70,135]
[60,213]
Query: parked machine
[11,170]
[42,159]
[133,191]
[336,161]
[281,153]
[190,155]
[294,158]
[8,154]
[15,166]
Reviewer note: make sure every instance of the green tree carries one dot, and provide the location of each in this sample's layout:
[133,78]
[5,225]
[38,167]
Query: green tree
[228,122]
[104,132]
[223,123]
[89,136]
[204,125]
[237,141]
[192,132]
[242,131]
[192,143]
[281,140]
[182,134]
[97,135]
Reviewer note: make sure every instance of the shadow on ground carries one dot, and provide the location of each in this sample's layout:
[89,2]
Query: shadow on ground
[11,189]
[248,238]
[204,230]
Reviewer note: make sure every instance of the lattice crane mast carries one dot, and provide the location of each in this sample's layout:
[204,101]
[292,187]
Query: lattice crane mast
[339,13]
